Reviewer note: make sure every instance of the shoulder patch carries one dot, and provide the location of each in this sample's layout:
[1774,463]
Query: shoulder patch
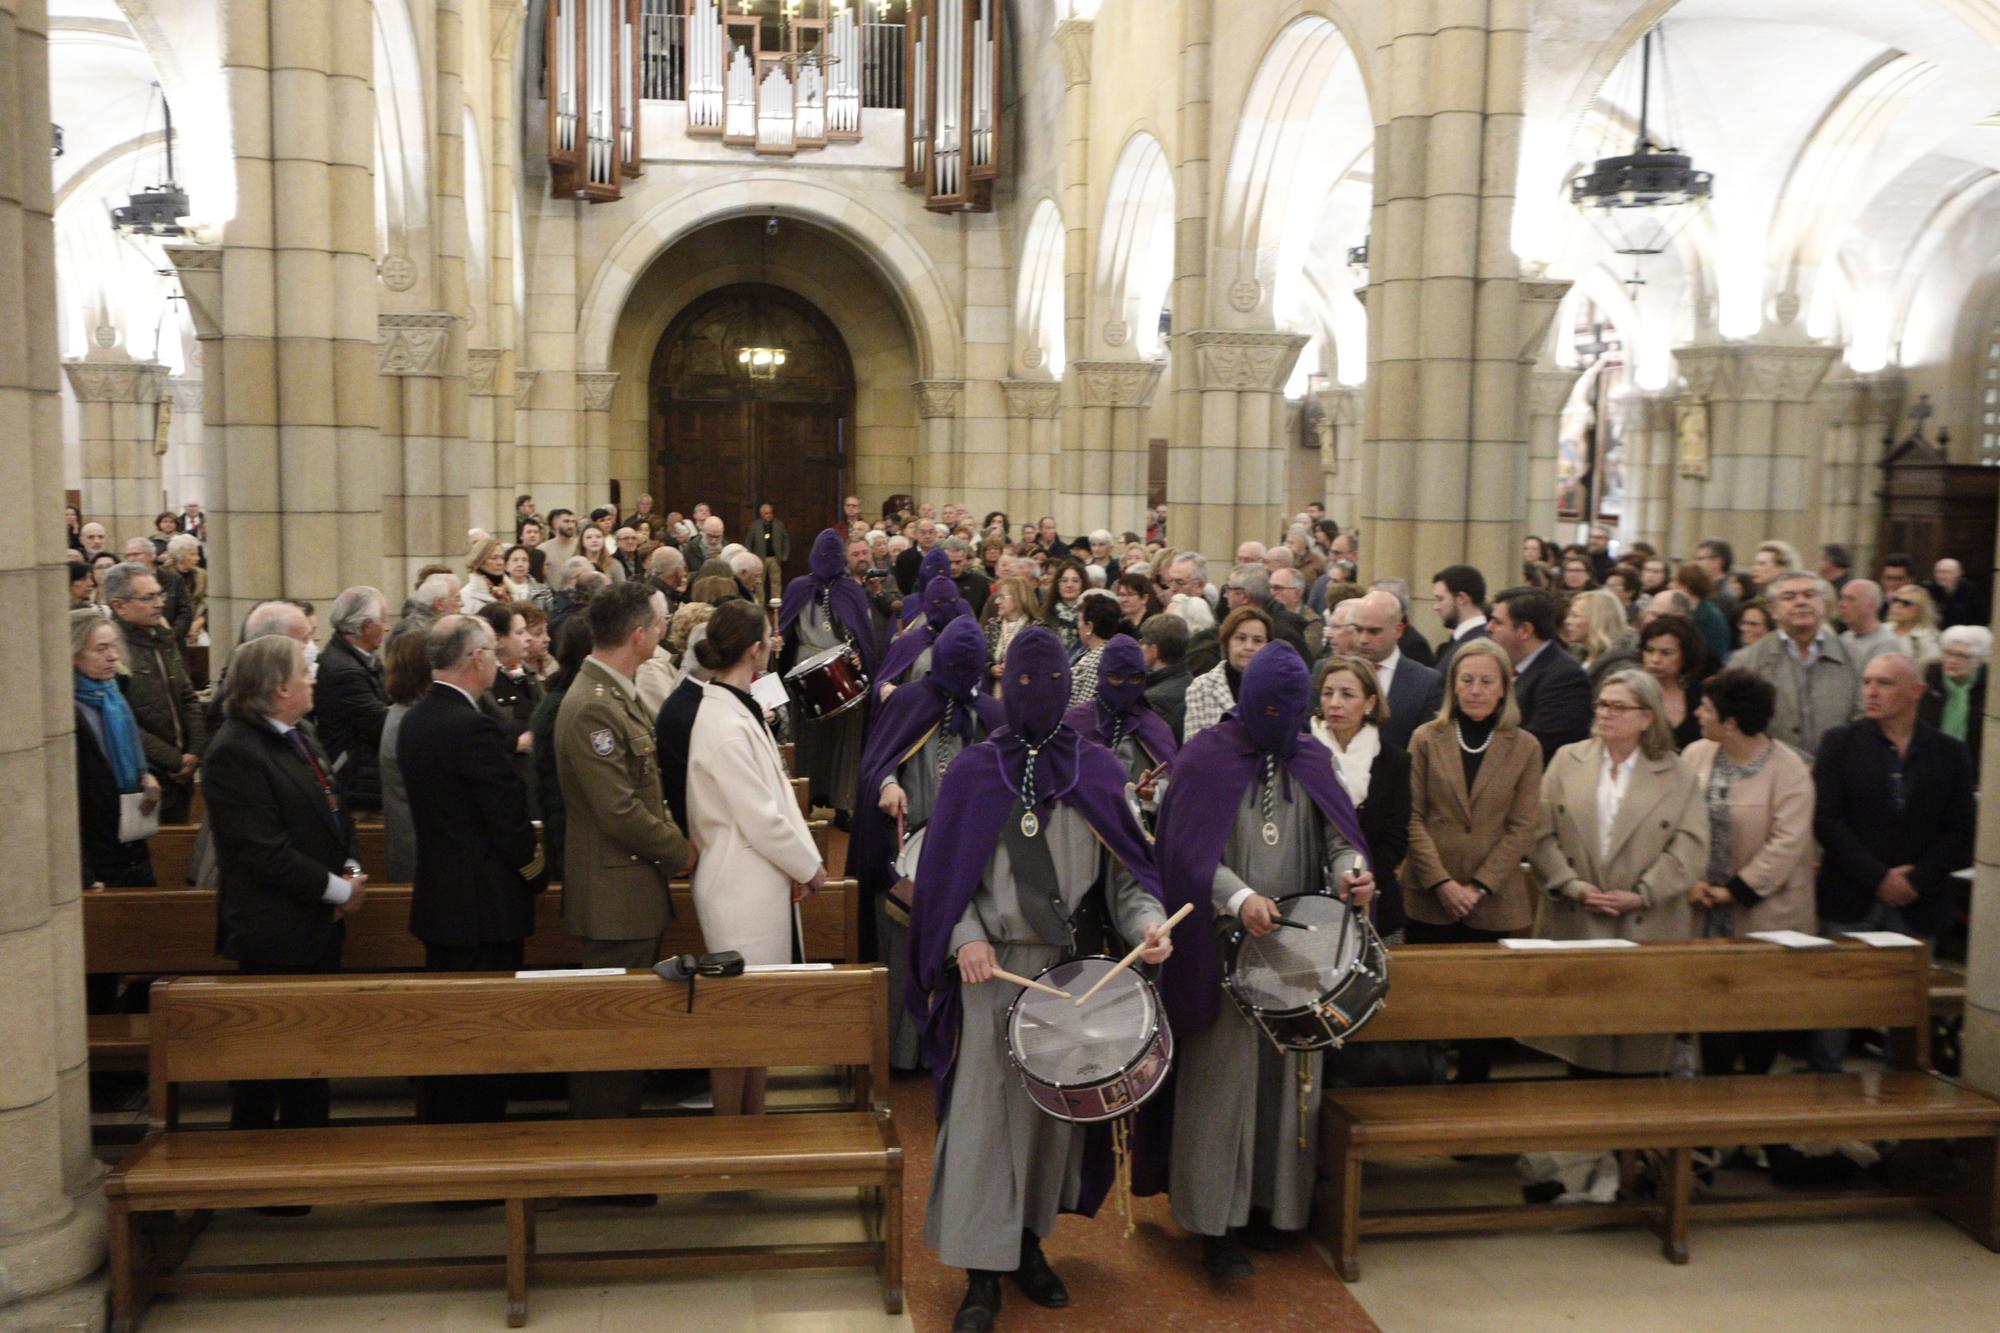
[602,741]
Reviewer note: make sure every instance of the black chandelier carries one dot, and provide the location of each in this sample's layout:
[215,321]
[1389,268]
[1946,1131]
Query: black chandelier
[1642,200]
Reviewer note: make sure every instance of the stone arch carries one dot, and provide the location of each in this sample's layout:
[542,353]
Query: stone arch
[1039,350]
[1135,249]
[1307,104]
[897,260]
[402,131]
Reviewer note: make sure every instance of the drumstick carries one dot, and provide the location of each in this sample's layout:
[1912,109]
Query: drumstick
[1295,925]
[1133,957]
[1005,975]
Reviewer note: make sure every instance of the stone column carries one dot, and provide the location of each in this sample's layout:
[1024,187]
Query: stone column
[1646,421]
[51,1205]
[1229,486]
[939,403]
[1760,454]
[118,411]
[423,432]
[1188,464]
[286,309]
[1548,393]
[185,467]
[1031,446]
[1860,411]
[1981,1066]
[594,391]
[1104,469]
[489,445]
[1073,42]
[1445,429]
[504,23]
[1340,457]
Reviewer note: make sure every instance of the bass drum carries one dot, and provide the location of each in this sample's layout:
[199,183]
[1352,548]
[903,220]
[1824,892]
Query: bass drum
[828,683]
[1309,989]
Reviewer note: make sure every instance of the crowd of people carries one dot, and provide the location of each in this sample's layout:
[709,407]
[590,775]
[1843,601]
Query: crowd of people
[1614,745]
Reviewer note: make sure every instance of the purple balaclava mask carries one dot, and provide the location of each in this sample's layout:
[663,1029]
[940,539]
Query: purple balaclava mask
[936,564]
[1034,686]
[829,556]
[1123,659]
[958,658]
[1275,699]
[941,603]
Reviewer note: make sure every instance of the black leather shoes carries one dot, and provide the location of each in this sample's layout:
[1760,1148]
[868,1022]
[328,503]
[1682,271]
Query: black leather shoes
[981,1304]
[1038,1281]
[1224,1258]
[1260,1235]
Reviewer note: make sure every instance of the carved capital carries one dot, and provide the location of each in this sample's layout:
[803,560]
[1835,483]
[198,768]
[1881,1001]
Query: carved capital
[524,386]
[482,368]
[1240,359]
[1342,404]
[1548,391]
[199,268]
[1540,298]
[1032,398]
[1786,374]
[1637,410]
[938,398]
[505,23]
[187,394]
[594,389]
[412,343]
[116,381]
[1117,383]
[1702,368]
[1073,41]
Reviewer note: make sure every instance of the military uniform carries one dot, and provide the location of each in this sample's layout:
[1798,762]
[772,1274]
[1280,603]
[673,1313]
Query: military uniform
[620,846]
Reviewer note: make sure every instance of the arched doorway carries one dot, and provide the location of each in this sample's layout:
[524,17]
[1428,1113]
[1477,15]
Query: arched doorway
[724,434]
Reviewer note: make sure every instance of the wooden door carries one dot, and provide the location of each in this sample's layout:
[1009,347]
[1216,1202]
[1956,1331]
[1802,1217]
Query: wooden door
[720,436]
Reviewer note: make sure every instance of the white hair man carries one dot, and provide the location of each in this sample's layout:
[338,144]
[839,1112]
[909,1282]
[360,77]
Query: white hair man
[350,704]
[437,596]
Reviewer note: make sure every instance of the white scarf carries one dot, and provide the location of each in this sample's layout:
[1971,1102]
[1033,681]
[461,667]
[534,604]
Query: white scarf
[1354,762]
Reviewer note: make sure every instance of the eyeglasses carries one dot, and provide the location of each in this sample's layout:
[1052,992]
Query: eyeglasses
[1606,706]
[150,599]
[1905,601]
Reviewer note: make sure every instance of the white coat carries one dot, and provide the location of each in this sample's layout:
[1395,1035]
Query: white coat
[754,844]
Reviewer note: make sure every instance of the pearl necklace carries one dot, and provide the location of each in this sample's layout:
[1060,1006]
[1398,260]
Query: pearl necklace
[1459,732]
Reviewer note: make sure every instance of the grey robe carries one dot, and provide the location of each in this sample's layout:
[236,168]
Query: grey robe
[1003,1164]
[918,776]
[829,753]
[1237,1131]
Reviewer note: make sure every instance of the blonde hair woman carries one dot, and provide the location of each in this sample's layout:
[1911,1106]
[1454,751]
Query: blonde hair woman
[1913,620]
[1014,605]
[1348,714]
[1623,838]
[1595,627]
[593,546]
[485,574]
[1773,558]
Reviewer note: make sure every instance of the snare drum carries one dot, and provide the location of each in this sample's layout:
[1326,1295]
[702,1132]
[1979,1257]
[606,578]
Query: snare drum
[828,683]
[1098,1062]
[903,890]
[1309,989]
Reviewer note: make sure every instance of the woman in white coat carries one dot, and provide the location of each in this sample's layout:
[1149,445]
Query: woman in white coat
[757,857]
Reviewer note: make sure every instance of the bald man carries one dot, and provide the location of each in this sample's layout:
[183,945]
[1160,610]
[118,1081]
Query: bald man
[1895,813]
[1414,691]
[1865,637]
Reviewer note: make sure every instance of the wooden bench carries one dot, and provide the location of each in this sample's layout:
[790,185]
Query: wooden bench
[210,1029]
[1456,992]
[172,850]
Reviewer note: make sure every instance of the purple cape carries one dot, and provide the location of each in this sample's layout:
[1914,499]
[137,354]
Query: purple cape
[936,564]
[1092,721]
[1214,770]
[901,724]
[907,647]
[976,796]
[850,612]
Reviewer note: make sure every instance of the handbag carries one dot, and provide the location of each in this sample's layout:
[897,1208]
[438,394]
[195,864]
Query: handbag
[135,822]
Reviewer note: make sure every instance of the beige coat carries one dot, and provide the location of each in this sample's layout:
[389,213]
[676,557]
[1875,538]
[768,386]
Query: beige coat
[1658,848]
[1478,835]
[1770,838]
[745,822]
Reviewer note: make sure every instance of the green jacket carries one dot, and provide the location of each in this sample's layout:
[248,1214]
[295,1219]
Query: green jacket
[163,700]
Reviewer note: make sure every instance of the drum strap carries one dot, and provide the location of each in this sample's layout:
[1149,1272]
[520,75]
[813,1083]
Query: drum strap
[1036,885]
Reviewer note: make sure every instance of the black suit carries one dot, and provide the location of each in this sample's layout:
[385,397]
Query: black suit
[478,865]
[278,835]
[671,734]
[1412,646]
[1451,645]
[349,707]
[1416,693]
[1553,694]
[1385,825]
[1865,833]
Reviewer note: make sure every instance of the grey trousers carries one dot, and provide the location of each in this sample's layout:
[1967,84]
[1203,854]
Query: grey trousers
[610,1096]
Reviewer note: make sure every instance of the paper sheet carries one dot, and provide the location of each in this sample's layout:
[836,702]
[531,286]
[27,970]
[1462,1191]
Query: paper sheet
[1792,939]
[1885,939]
[769,690]
[1569,944]
[545,973]
[788,967]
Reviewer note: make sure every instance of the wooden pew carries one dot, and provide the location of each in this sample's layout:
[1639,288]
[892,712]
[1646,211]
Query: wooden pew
[1455,992]
[211,1029]
[172,850]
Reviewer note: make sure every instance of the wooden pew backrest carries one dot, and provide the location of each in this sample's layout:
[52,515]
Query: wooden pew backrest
[207,1029]
[1446,992]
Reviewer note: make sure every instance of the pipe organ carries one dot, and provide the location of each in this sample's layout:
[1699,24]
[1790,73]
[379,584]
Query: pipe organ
[952,133]
[593,84]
